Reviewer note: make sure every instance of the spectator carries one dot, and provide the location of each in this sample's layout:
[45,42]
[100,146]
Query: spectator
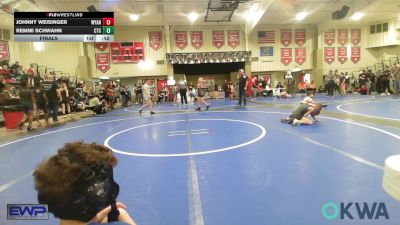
[96,106]
[53,94]
[330,83]
[28,103]
[302,87]
[41,102]
[65,99]
[78,185]
[183,90]
[279,85]
[385,80]
[139,95]
[312,87]
[110,95]
[7,97]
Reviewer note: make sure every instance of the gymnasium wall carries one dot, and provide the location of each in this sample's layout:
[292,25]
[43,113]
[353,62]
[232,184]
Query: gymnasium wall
[64,56]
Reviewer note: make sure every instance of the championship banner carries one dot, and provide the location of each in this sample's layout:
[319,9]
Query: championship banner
[330,37]
[355,36]
[300,37]
[101,46]
[233,38]
[286,56]
[343,36]
[181,39]
[300,55]
[218,38]
[103,62]
[355,54]
[286,37]
[155,40]
[4,52]
[342,54]
[329,55]
[196,39]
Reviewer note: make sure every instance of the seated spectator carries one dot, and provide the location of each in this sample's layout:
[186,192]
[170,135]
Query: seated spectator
[7,97]
[312,87]
[268,91]
[284,94]
[279,85]
[78,186]
[97,106]
[321,89]
[363,90]
[302,87]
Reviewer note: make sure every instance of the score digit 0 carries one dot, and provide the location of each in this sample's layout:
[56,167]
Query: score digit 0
[108,21]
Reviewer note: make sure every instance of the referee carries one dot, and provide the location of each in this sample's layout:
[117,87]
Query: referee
[242,87]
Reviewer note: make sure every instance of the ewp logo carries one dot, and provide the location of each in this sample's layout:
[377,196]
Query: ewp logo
[364,211]
[27,212]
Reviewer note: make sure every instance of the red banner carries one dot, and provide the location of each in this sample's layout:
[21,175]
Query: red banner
[286,56]
[343,36]
[342,54]
[286,37]
[300,55]
[101,46]
[103,62]
[355,54]
[218,38]
[355,36]
[329,55]
[300,37]
[126,52]
[155,40]
[330,37]
[196,39]
[233,38]
[181,39]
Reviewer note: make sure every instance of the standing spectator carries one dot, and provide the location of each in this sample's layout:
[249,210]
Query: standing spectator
[65,98]
[226,89]
[385,80]
[372,80]
[242,87]
[53,94]
[231,89]
[396,74]
[110,95]
[175,90]
[139,94]
[183,90]
[342,84]
[41,102]
[122,91]
[28,103]
[192,93]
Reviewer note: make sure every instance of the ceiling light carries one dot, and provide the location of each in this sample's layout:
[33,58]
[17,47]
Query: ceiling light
[134,17]
[104,77]
[357,16]
[301,15]
[193,16]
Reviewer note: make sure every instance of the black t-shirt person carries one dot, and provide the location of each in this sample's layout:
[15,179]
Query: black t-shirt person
[50,87]
[242,82]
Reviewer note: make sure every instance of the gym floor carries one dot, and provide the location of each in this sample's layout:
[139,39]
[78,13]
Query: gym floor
[227,165]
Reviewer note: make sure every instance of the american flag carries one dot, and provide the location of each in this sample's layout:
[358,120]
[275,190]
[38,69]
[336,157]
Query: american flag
[266,37]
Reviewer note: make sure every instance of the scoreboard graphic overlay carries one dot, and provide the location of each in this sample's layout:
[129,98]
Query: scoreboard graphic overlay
[64,26]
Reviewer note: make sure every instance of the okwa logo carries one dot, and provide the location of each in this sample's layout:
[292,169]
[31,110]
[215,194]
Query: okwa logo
[355,210]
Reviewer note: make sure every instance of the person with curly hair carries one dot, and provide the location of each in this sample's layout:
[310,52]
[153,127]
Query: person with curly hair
[78,186]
